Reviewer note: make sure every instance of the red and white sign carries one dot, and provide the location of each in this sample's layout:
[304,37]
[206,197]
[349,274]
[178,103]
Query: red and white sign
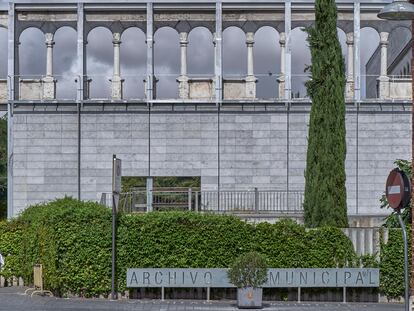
[397,189]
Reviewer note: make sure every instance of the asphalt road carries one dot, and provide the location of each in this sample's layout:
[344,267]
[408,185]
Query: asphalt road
[13,299]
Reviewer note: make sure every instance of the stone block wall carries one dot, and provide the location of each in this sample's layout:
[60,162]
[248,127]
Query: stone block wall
[265,149]
[44,158]
[3,91]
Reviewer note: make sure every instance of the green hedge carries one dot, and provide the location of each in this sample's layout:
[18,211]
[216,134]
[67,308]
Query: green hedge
[392,264]
[72,240]
[11,234]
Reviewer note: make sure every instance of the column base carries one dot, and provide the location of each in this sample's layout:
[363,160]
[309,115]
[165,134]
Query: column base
[384,87]
[49,87]
[117,87]
[251,86]
[281,82]
[183,87]
[349,89]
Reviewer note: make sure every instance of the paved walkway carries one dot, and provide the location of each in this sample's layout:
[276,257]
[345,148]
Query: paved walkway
[13,299]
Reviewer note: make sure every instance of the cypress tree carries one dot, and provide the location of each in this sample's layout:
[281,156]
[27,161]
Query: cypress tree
[325,192]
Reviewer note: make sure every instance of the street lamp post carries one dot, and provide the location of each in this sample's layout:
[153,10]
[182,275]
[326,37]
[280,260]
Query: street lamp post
[404,10]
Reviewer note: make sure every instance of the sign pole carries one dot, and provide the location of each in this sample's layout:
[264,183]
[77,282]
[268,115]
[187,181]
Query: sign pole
[113,290]
[407,288]
[116,190]
[398,193]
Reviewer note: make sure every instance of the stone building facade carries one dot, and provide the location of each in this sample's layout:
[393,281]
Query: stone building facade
[216,130]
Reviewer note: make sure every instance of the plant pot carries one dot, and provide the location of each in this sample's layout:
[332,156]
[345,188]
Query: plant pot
[249,297]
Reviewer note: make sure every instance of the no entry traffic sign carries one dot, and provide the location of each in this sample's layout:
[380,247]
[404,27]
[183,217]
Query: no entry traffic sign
[398,189]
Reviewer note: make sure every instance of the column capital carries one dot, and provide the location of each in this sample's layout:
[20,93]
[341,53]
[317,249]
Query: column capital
[116,38]
[250,38]
[350,38]
[384,38]
[282,39]
[183,38]
[49,39]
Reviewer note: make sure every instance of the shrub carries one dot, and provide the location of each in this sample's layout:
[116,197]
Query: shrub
[72,240]
[329,247]
[248,270]
[10,247]
[180,240]
[392,264]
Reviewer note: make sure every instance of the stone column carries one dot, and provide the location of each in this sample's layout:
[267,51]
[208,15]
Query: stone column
[281,78]
[183,86]
[116,78]
[384,80]
[350,85]
[49,82]
[250,79]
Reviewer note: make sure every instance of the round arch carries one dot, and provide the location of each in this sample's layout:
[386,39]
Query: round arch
[166,61]
[301,58]
[133,62]
[3,53]
[32,53]
[342,42]
[271,25]
[200,53]
[369,61]
[99,62]
[93,27]
[64,62]
[267,61]
[399,51]
[234,53]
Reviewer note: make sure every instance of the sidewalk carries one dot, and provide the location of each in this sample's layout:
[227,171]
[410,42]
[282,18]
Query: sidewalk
[13,298]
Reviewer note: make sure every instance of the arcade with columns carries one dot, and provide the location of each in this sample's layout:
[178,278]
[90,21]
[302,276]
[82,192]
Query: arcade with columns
[184,16]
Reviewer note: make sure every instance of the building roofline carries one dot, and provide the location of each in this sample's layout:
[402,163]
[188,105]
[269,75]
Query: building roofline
[362,2]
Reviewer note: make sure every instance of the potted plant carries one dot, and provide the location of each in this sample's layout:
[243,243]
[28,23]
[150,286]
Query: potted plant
[248,273]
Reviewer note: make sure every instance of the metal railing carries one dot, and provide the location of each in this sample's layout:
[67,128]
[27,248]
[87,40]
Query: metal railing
[231,201]
[200,87]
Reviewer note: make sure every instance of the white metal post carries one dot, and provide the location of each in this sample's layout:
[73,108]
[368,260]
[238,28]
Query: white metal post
[82,82]
[149,194]
[150,53]
[218,54]
[357,54]
[12,71]
[81,54]
[288,50]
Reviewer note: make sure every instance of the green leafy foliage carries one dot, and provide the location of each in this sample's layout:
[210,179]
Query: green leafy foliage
[392,220]
[3,168]
[325,192]
[11,247]
[248,270]
[72,240]
[130,183]
[392,264]
[180,240]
